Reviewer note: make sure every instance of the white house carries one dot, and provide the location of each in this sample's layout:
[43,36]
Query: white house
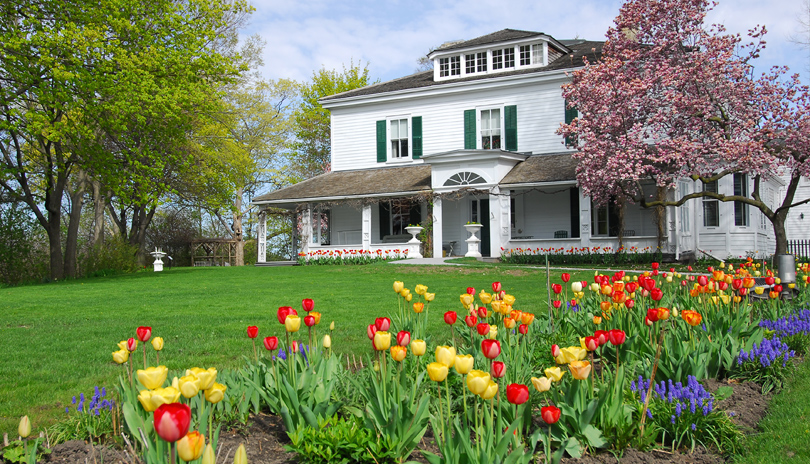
[474,140]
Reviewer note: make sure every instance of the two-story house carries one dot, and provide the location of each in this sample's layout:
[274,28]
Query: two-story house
[474,140]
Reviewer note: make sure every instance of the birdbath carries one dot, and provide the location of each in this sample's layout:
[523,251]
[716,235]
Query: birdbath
[414,244]
[473,242]
[158,254]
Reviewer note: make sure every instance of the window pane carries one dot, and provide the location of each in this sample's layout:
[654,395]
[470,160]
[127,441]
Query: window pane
[394,130]
[482,62]
[711,213]
[403,128]
[485,120]
[509,58]
[404,147]
[537,54]
[496,119]
[525,55]
[394,149]
[469,64]
[455,65]
[496,141]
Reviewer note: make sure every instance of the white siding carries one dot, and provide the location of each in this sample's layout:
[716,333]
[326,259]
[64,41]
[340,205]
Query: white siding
[798,227]
[545,213]
[346,227]
[540,110]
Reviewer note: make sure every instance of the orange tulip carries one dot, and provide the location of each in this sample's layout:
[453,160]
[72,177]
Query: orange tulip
[527,318]
[580,369]
[692,318]
[509,323]
[604,306]
[418,307]
[398,353]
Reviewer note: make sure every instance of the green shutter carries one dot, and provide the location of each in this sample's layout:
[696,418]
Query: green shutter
[469,130]
[570,115]
[416,133]
[510,120]
[382,156]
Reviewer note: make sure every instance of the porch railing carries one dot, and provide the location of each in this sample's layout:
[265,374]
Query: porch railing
[799,248]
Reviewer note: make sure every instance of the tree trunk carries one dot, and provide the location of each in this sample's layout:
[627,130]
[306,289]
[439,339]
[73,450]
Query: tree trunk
[239,259]
[620,204]
[660,219]
[780,233]
[74,219]
[141,218]
[99,203]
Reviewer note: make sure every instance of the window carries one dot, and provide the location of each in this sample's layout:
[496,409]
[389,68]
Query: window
[469,63]
[711,207]
[444,67]
[450,66]
[685,208]
[491,129]
[605,219]
[513,213]
[400,216]
[497,59]
[464,178]
[740,208]
[474,212]
[396,215]
[398,136]
[537,54]
[481,62]
[525,55]
[509,57]
[320,226]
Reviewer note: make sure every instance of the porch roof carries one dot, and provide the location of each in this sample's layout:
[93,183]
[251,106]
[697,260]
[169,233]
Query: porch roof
[538,169]
[338,185]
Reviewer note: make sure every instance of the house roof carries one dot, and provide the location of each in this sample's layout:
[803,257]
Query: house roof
[579,49]
[495,37]
[358,183]
[558,167]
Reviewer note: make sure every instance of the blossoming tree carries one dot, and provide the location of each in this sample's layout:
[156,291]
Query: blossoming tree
[671,98]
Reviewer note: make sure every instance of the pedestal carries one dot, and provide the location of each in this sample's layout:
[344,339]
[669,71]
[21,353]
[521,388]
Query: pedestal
[414,245]
[158,265]
[473,243]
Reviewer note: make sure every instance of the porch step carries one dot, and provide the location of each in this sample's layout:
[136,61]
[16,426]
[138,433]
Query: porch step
[277,263]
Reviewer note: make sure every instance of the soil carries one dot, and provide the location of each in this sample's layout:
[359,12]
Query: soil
[265,439]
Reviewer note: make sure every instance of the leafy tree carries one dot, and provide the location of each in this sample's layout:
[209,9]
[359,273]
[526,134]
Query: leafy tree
[672,99]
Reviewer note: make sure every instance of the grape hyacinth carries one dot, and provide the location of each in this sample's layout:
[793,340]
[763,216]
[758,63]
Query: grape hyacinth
[679,396]
[767,352]
[97,404]
[798,323]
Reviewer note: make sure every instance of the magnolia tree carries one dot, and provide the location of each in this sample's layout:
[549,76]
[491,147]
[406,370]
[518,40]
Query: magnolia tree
[670,98]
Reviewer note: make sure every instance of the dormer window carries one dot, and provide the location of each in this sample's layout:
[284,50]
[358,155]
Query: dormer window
[481,62]
[450,66]
[502,59]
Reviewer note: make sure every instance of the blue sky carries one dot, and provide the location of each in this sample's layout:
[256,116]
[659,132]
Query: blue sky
[303,36]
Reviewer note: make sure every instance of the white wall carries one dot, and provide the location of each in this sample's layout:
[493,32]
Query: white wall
[798,227]
[545,213]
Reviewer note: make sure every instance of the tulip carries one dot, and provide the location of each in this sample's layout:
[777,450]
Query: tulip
[498,369]
[437,371]
[327,341]
[478,381]
[292,323]
[490,392]
[418,307]
[464,363]
[470,321]
[398,286]
[652,314]
[153,377]
[616,336]
[309,321]
[144,333]
[420,289]
[382,323]
[703,280]
[446,355]
[598,319]
[382,340]
[591,343]
[450,317]
[189,385]
[692,318]
[491,348]
[158,397]
[517,393]
[493,332]
[509,299]
[332,325]
[570,354]
[418,347]
[556,288]
[24,429]
[370,331]
[523,329]
[283,312]
[482,328]
[496,287]
[398,353]
[132,345]
[307,304]
[216,393]
[241,455]
[580,369]
[190,447]
[466,299]
[209,457]
[485,297]
[252,331]
[404,338]
[542,384]
[663,314]
[555,350]
[157,343]
[550,414]
[482,312]
[207,376]
[270,343]
[429,296]
[172,421]
[554,373]
[120,356]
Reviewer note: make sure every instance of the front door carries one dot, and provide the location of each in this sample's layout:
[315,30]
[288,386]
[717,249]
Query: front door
[479,212]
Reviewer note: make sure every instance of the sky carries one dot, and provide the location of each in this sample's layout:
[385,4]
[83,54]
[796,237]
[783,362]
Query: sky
[390,35]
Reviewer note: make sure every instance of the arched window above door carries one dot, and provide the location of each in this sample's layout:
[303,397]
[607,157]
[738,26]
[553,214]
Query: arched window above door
[464,178]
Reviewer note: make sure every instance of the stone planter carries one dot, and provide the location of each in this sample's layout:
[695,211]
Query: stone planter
[414,245]
[473,243]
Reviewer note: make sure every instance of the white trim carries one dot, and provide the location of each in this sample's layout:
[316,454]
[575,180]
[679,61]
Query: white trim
[342,197]
[494,45]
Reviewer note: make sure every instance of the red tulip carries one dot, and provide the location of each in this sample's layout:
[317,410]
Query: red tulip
[307,304]
[629,303]
[556,288]
[702,280]
[132,344]
[672,269]
[591,343]
[498,369]
[736,284]
[491,348]
[647,321]
[722,285]
[482,328]
[652,314]
[601,336]
[743,291]
[555,350]
[450,317]
[482,311]
[565,277]
[556,304]
[144,333]
[470,291]
[656,294]
[647,284]
[631,287]
[655,265]
[252,331]
[295,346]
[710,268]
[496,287]
[617,337]
[550,414]
[172,421]
[517,393]
[403,338]
[777,288]
[283,312]
[309,321]
[470,321]
[689,268]
[523,329]
[271,343]
[370,331]
[382,324]
[770,280]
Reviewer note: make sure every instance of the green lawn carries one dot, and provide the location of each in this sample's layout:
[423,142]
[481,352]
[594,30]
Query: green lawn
[57,339]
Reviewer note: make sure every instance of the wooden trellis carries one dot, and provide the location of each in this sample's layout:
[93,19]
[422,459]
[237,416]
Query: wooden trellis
[213,252]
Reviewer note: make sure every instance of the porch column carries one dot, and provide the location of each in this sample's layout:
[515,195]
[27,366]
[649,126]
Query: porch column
[437,227]
[261,232]
[366,227]
[501,225]
[306,229]
[584,219]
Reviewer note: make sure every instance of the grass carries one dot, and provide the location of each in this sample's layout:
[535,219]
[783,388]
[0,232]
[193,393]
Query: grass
[56,339]
[784,435]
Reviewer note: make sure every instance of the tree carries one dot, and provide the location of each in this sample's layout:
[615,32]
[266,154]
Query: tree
[312,149]
[671,99]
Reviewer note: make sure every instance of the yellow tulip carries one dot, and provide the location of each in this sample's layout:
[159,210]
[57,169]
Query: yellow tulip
[571,354]
[327,341]
[152,399]
[446,355]
[292,323]
[464,363]
[791,285]
[121,356]
[332,326]
[398,286]
[777,280]
[316,315]
[190,447]
[554,373]
[398,353]
[493,332]
[418,347]
[418,307]
[759,290]
[580,369]
[478,381]
[490,392]
[122,345]
[509,299]
[209,457]
[153,377]
[437,371]
[382,340]
[420,289]
[594,287]
[466,300]
[189,386]
[496,306]
[176,383]
[429,296]
[408,297]
[541,384]
[24,429]
[404,292]
[207,376]
[485,297]
[215,394]
[157,343]
[241,455]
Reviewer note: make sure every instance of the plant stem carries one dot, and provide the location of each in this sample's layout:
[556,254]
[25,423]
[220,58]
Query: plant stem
[144,354]
[652,379]
[441,414]
[172,453]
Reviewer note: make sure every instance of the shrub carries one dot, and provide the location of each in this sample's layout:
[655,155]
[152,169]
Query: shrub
[338,440]
[20,259]
[114,256]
